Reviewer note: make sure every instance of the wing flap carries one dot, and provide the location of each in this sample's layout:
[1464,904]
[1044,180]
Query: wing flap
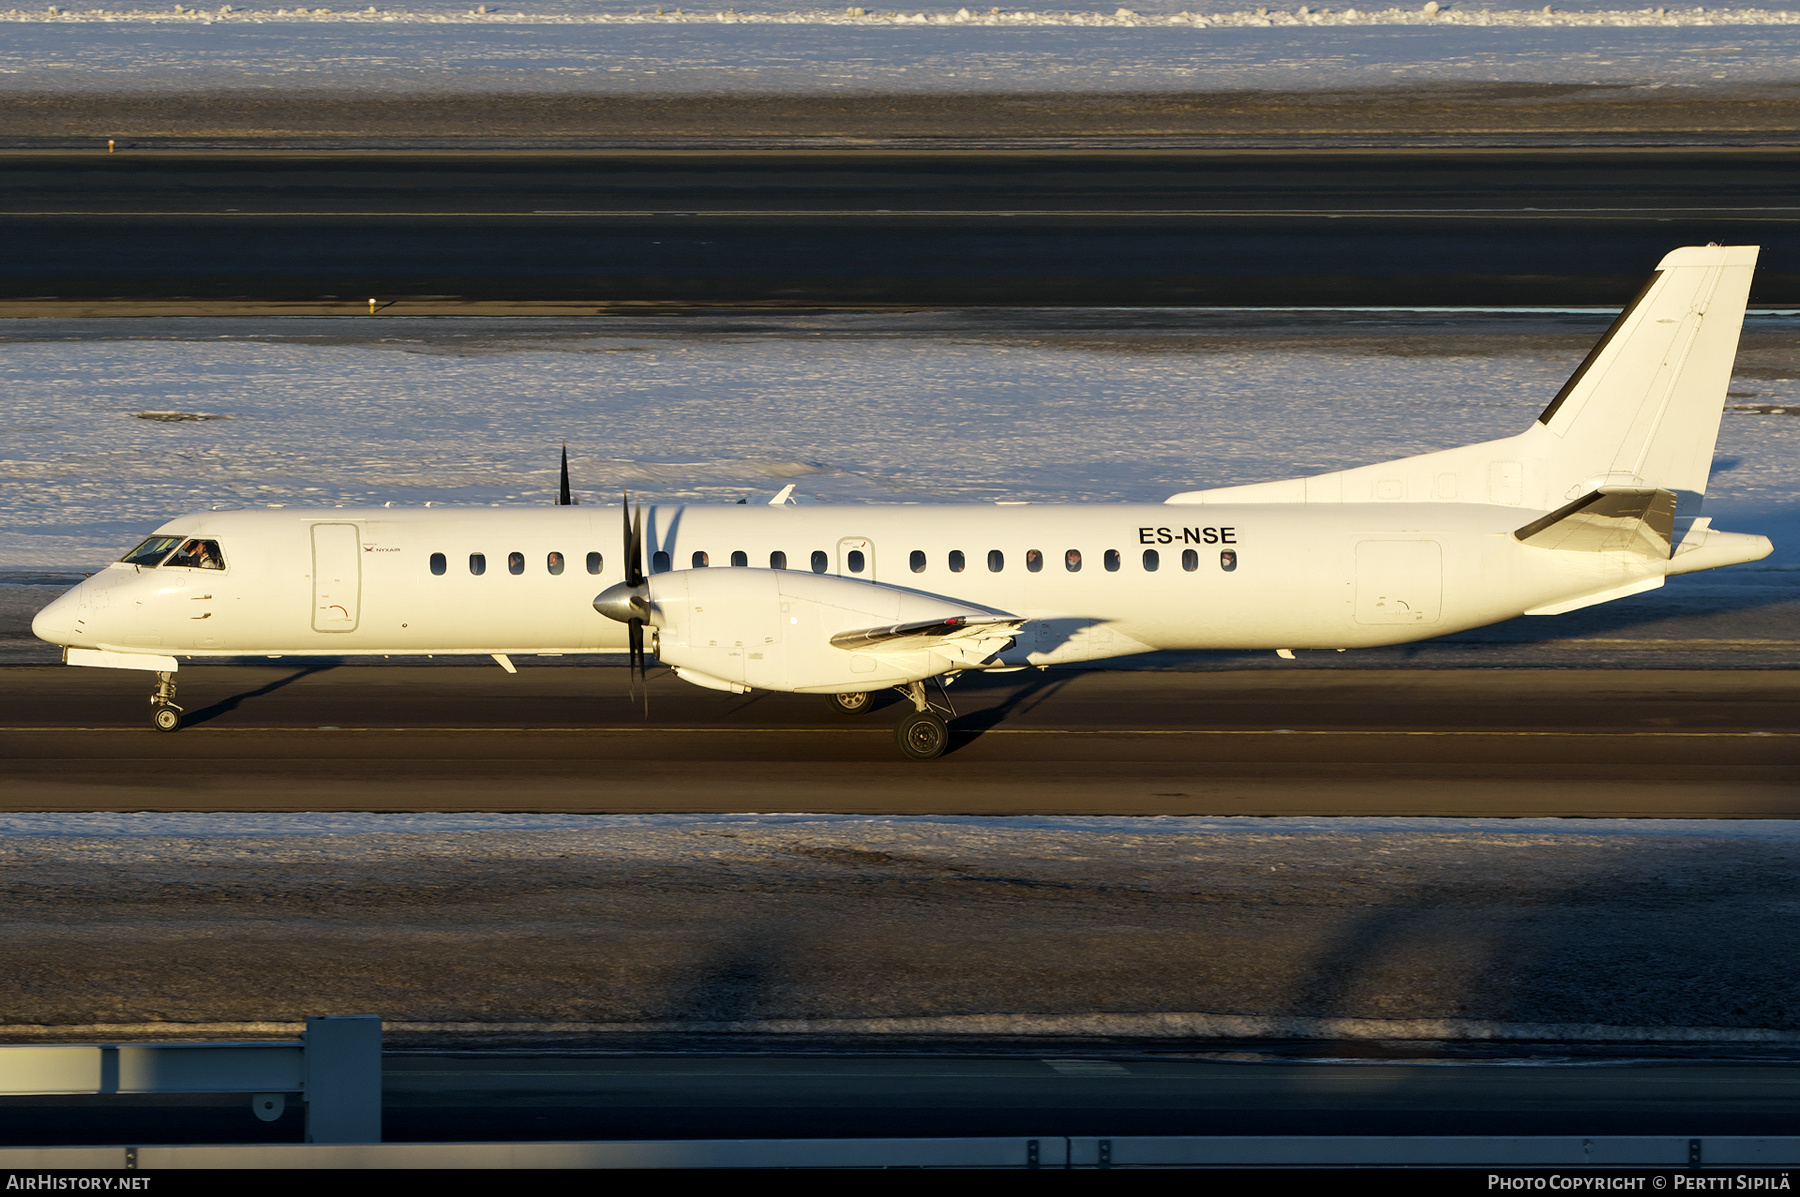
[928,633]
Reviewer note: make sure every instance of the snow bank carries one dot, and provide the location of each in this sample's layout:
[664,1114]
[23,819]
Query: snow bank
[938,51]
[1209,17]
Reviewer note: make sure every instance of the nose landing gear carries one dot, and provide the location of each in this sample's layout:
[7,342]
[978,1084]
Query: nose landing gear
[164,714]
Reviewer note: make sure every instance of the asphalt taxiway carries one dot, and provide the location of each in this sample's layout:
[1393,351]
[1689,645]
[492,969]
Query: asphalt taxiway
[579,232]
[312,736]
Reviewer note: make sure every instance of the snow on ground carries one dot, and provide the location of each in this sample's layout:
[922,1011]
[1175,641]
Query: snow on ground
[952,832]
[323,412]
[1290,928]
[763,49]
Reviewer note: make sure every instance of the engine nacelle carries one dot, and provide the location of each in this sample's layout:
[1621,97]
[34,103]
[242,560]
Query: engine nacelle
[767,629]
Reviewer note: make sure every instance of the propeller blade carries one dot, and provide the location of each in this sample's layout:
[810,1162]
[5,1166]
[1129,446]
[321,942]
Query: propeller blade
[634,578]
[563,498]
[634,548]
[640,681]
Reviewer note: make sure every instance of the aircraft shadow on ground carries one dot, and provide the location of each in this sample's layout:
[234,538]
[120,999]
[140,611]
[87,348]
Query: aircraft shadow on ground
[1647,932]
[229,704]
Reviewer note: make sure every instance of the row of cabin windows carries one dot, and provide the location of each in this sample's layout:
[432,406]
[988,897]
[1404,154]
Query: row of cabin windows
[1111,559]
[855,560]
[515,563]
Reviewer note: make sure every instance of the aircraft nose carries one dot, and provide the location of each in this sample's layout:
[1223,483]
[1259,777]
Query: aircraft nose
[56,623]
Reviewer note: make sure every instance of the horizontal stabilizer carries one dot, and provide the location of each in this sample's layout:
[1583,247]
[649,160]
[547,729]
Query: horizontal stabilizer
[1609,520]
[928,633]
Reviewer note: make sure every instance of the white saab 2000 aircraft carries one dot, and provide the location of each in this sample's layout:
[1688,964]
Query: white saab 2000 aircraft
[1600,498]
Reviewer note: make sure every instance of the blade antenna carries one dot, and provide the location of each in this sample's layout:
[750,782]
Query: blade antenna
[563,498]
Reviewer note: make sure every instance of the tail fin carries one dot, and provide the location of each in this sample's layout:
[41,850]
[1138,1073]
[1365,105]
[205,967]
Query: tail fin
[1644,408]
[1641,413]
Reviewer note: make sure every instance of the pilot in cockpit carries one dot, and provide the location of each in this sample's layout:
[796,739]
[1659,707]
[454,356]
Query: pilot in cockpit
[197,554]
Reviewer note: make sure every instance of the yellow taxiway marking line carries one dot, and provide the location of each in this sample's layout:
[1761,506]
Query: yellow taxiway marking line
[998,731]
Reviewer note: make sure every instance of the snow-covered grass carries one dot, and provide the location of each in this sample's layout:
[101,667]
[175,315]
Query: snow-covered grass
[922,51]
[752,12]
[950,831]
[849,408]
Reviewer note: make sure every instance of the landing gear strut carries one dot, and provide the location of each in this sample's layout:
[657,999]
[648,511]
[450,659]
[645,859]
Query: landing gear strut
[164,714]
[923,735]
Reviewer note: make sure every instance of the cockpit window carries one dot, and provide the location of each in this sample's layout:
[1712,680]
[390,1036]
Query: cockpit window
[151,551]
[198,554]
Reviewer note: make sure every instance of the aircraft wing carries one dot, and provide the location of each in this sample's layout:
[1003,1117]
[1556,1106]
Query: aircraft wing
[929,633]
[1611,519]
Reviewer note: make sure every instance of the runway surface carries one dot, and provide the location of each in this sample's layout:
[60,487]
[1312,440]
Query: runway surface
[422,233]
[1443,742]
[690,1096]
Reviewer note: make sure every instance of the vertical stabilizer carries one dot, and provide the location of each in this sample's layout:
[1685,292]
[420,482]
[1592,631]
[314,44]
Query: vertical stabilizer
[1640,414]
[1644,408]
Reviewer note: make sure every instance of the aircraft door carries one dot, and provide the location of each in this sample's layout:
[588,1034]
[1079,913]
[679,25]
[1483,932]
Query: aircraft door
[856,558]
[337,577]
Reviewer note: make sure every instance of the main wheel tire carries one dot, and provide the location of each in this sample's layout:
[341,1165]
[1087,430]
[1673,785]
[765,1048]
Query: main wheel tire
[165,719]
[852,703]
[922,736]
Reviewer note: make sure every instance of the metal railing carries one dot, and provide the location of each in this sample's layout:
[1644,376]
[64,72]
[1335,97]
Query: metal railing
[334,1067]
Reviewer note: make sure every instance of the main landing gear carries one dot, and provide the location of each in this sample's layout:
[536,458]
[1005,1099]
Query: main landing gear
[854,702]
[164,714]
[923,735]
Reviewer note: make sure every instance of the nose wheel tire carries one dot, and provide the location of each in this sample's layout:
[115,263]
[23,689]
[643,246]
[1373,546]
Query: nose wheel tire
[853,703]
[922,736]
[165,719]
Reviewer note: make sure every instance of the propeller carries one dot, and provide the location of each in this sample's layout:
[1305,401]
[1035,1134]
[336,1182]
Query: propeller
[629,601]
[640,602]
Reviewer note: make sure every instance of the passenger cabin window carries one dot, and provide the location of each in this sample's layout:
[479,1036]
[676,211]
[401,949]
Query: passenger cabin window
[1152,561]
[740,558]
[1190,560]
[151,551]
[554,563]
[1227,560]
[855,560]
[1112,561]
[1034,560]
[820,562]
[197,554]
[956,561]
[996,561]
[700,560]
[917,561]
[594,563]
[1072,561]
[515,563]
[478,563]
[438,564]
[778,560]
[659,562]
